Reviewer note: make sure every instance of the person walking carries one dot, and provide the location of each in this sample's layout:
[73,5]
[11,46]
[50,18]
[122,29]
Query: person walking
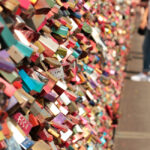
[144,76]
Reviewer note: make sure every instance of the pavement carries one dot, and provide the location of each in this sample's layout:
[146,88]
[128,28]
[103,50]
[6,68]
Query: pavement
[133,132]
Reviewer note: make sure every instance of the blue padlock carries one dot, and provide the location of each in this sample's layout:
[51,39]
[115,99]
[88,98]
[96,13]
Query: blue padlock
[29,83]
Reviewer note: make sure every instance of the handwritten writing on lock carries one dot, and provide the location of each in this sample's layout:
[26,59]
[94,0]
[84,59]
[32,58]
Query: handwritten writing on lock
[23,123]
[58,73]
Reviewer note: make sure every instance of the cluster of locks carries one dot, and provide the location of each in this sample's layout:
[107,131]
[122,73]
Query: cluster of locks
[61,72]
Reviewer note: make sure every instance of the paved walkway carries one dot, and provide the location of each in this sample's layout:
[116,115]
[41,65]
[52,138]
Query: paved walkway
[133,132]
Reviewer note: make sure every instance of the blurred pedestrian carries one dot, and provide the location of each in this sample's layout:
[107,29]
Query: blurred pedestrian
[144,76]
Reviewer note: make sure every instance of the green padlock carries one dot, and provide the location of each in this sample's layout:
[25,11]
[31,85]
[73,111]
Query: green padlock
[86,28]
[10,77]
[51,3]
[62,52]
[62,31]
[75,54]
